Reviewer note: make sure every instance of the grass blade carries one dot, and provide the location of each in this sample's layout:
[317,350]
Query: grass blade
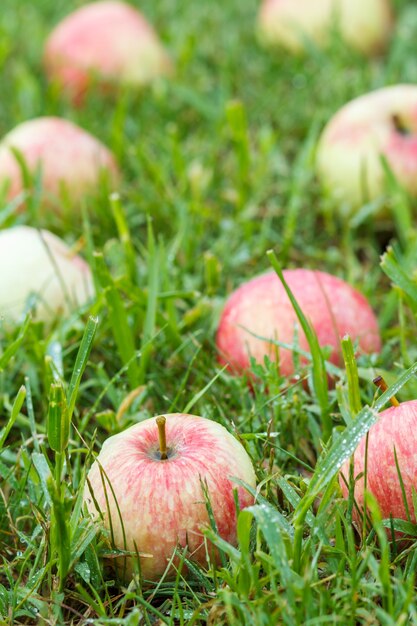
[81,363]
[393,268]
[352,375]
[11,350]
[58,420]
[17,405]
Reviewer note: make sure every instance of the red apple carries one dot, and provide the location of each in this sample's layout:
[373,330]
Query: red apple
[261,307]
[160,502]
[71,161]
[38,264]
[382,123]
[395,433]
[109,43]
[365,26]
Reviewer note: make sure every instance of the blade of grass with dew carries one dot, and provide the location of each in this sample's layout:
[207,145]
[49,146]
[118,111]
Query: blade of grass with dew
[278,544]
[320,384]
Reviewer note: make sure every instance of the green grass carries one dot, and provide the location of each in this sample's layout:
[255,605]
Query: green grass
[217,170]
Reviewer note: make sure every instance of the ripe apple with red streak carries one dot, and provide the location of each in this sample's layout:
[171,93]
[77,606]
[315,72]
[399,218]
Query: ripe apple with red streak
[260,311]
[108,43]
[38,264]
[382,123]
[395,433]
[289,23]
[72,163]
[153,504]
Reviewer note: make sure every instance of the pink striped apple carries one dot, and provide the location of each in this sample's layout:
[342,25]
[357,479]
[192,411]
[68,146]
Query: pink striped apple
[71,162]
[380,124]
[108,43]
[38,265]
[289,23]
[393,435]
[260,311]
[147,484]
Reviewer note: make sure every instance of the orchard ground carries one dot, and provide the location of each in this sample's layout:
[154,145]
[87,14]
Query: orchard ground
[217,169]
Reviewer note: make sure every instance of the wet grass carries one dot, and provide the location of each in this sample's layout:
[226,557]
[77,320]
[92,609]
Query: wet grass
[217,170]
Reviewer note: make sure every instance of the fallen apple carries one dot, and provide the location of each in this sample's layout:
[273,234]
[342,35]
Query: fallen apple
[108,43]
[40,272]
[71,162]
[376,126]
[291,23]
[147,484]
[387,452]
[259,311]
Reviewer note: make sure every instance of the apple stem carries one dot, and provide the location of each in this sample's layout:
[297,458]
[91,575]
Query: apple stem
[161,421]
[382,385]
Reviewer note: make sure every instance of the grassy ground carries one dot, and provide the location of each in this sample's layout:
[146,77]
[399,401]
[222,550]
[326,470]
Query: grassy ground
[218,168]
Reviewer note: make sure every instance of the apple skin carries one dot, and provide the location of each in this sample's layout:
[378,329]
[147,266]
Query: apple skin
[40,264]
[262,307]
[365,27]
[161,502]
[71,160]
[396,428]
[108,43]
[352,143]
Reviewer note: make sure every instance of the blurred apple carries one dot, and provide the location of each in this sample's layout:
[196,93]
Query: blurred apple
[147,483]
[381,124]
[365,26]
[393,435]
[260,311]
[39,269]
[71,162]
[108,43]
